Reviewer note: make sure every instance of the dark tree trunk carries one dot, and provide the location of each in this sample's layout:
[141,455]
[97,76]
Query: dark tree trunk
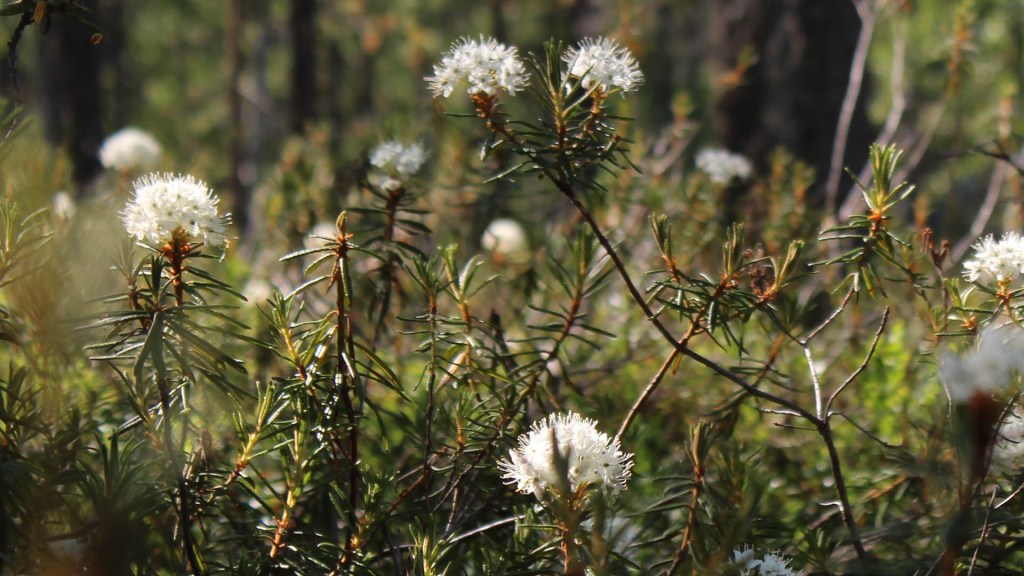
[123,92]
[575,20]
[792,94]
[304,89]
[71,63]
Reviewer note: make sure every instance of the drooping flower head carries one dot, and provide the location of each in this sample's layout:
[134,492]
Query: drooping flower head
[397,158]
[1001,261]
[484,66]
[972,380]
[129,149]
[507,242]
[988,367]
[163,203]
[723,166]
[594,460]
[602,62]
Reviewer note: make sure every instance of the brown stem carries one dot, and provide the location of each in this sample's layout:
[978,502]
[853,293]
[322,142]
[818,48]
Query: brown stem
[691,520]
[825,431]
[428,425]
[694,328]
[391,264]
[853,88]
[524,396]
[176,251]
[570,561]
[345,361]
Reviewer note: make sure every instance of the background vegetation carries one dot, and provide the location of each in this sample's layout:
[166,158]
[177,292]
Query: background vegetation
[349,419]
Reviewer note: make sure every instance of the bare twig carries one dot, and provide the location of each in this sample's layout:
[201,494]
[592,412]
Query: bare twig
[984,530]
[642,399]
[814,381]
[864,431]
[853,87]
[825,431]
[831,317]
[854,199]
[863,365]
[995,186]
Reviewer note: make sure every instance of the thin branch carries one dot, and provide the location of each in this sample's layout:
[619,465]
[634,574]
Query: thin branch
[825,431]
[814,381]
[853,87]
[1012,495]
[864,431]
[651,387]
[984,530]
[995,186]
[863,365]
[835,314]
[854,199]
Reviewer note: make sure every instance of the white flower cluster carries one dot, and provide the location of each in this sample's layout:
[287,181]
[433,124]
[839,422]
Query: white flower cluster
[397,158]
[594,459]
[163,203]
[506,240]
[771,564]
[987,368]
[485,66]
[1002,261]
[602,62]
[129,149]
[723,166]
[1008,452]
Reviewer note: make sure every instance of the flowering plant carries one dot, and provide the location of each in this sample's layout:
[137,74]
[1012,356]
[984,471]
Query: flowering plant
[561,342]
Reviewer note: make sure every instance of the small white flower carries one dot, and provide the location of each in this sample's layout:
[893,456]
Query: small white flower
[723,166]
[485,66]
[64,206]
[506,240]
[744,557]
[774,564]
[163,203]
[257,291]
[395,157]
[602,62]
[989,367]
[1002,261]
[129,149]
[594,460]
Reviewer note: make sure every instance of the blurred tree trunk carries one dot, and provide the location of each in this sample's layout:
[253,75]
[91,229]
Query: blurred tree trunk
[499,21]
[574,20]
[112,51]
[304,89]
[792,93]
[232,38]
[74,99]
